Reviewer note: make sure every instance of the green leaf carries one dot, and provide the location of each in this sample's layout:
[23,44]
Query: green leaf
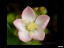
[13,40]
[46,31]
[33,42]
[18,16]
[8,27]
[11,17]
[16,32]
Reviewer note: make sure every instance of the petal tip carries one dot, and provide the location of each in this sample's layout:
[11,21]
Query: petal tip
[28,7]
[15,21]
[47,16]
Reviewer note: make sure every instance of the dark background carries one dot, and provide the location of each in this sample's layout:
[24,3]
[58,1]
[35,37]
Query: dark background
[51,7]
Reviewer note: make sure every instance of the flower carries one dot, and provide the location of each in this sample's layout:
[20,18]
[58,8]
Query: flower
[30,27]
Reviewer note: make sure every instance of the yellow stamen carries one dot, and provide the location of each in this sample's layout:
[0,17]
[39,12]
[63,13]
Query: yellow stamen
[31,27]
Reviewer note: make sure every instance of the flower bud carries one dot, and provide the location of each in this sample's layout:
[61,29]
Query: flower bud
[42,10]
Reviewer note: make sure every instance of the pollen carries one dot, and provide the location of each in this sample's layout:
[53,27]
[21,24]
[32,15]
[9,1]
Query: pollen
[31,27]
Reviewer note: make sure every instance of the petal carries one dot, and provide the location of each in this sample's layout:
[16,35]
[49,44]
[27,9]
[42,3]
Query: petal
[42,20]
[38,35]
[39,28]
[24,36]
[19,24]
[28,14]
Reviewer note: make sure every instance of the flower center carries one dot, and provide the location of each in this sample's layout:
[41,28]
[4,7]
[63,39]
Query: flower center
[31,27]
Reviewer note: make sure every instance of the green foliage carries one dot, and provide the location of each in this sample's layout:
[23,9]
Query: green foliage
[10,17]
[33,42]
[13,40]
[37,13]
[8,27]
[16,32]
[46,31]
[18,16]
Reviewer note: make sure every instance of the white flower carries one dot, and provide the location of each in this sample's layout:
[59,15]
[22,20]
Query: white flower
[31,27]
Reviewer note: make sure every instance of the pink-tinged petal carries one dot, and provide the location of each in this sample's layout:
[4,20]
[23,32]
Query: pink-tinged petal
[28,14]
[39,28]
[24,36]
[42,21]
[19,24]
[38,35]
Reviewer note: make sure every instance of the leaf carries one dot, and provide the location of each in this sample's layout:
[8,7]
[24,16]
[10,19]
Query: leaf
[13,40]
[33,42]
[18,16]
[46,31]
[10,17]
[8,27]
[16,32]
